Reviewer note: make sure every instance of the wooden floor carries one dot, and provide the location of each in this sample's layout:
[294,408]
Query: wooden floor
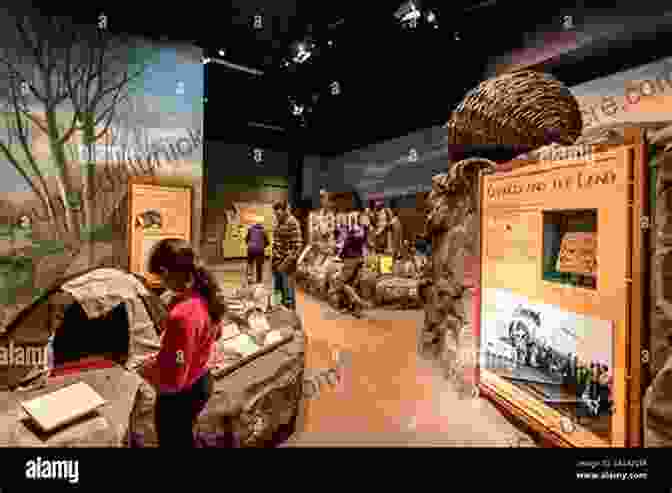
[388,396]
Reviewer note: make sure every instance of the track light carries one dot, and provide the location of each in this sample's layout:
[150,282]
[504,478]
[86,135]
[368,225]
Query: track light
[303,52]
[297,109]
[222,52]
[408,12]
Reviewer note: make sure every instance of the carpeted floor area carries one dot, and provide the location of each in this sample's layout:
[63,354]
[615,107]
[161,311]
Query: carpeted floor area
[387,395]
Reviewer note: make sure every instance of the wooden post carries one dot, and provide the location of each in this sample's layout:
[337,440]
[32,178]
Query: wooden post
[638,340]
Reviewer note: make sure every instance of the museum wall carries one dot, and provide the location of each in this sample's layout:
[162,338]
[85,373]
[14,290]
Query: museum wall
[590,27]
[223,196]
[393,168]
[66,157]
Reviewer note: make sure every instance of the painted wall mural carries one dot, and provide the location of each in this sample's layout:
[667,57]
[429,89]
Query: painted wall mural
[81,111]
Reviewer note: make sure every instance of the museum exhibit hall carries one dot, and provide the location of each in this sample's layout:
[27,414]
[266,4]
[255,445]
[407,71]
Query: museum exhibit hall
[330,224]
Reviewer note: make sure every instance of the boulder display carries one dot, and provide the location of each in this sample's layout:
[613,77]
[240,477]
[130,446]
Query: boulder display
[102,325]
[453,223]
[658,399]
[258,367]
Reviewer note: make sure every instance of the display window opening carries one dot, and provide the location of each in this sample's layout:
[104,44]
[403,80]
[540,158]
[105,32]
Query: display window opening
[571,248]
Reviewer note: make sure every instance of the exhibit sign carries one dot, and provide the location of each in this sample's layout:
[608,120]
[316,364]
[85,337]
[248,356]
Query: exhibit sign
[557,247]
[253,213]
[562,359]
[156,212]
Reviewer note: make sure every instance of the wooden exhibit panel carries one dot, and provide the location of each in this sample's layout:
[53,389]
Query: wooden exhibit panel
[556,275]
[155,213]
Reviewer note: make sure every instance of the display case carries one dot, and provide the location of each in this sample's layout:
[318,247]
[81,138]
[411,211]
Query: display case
[556,319]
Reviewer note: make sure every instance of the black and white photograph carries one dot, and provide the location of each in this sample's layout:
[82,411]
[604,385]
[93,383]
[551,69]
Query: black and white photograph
[563,359]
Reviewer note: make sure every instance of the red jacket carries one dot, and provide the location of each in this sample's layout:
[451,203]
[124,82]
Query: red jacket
[187,341]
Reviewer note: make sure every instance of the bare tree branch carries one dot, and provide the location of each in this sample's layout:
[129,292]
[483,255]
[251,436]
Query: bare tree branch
[34,47]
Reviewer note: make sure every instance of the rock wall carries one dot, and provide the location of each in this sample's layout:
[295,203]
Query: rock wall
[658,399]
[453,223]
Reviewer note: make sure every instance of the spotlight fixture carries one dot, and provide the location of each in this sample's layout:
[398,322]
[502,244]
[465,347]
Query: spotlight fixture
[222,52]
[408,12]
[303,50]
[431,17]
[297,109]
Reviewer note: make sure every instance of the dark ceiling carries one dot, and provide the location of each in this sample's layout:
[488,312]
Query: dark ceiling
[392,81]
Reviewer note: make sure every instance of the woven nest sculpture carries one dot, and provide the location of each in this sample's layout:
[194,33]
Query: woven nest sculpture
[521,109]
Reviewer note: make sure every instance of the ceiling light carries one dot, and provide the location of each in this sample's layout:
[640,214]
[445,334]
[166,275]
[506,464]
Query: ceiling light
[431,17]
[297,109]
[408,12]
[303,52]
[222,53]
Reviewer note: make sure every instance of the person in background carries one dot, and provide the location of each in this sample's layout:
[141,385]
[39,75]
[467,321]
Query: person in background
[257,241]
[352,250]
[287,245]
[180,372]
[396,234]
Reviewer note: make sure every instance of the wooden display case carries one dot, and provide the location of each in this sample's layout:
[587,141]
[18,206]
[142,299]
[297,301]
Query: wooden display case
[155,212]
[557,289]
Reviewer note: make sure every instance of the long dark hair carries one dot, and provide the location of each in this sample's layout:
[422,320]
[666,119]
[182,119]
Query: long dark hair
[176,255]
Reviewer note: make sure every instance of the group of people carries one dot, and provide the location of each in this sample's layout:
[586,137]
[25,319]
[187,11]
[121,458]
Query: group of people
[287,246]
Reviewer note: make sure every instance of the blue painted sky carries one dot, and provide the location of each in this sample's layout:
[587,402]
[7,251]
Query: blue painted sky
[166,72]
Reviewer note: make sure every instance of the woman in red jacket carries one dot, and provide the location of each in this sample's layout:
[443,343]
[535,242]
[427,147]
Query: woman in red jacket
[180,373]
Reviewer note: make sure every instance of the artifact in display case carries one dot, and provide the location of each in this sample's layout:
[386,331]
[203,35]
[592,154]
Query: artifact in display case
[571,247]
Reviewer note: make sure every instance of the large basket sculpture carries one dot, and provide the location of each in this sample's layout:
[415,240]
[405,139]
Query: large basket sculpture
[524,108]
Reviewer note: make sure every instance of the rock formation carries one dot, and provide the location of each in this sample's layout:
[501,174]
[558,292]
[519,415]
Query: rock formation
[453,223]
[658,400]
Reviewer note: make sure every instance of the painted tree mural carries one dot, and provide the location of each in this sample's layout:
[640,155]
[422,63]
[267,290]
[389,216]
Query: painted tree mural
[64,81]
[81,111]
